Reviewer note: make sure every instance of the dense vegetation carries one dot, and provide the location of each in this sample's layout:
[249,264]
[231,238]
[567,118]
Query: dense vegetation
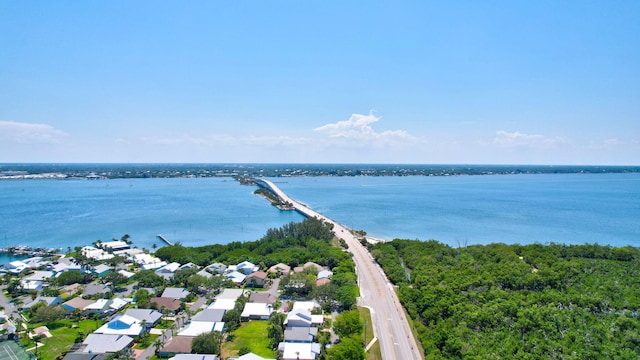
[293,244]
[512,301]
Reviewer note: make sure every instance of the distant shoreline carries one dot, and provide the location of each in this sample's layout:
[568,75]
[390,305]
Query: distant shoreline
[244,173]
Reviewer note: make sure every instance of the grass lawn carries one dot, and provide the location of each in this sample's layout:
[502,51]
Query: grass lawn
[146,342]
[252,334]
[62,338]
[365,316]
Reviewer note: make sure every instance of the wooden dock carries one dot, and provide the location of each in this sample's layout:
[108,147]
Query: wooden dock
[161,237]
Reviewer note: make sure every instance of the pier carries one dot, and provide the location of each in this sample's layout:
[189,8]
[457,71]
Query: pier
[161,237]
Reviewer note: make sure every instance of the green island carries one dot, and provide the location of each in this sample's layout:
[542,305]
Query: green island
[518,301]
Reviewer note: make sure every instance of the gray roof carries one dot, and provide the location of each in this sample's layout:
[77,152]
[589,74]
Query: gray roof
[214,315]
[300,334]
[103,343]
[194,357]
[92,289]
[151,316]
[49,300]
[175,293]
[85,356]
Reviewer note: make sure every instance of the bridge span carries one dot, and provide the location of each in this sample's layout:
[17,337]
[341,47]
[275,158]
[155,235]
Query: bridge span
[376,292]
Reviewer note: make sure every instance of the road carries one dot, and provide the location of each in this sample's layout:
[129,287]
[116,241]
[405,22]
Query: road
[376,292]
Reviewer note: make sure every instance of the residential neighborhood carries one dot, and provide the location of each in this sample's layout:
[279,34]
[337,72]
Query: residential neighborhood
[114,301]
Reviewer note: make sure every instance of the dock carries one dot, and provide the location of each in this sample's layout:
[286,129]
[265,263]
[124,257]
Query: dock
[161,237]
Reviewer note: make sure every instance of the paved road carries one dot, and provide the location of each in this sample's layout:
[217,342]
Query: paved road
[376,292]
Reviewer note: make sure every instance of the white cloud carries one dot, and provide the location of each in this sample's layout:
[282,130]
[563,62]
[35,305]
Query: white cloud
[518,139]
[359,127]
[28,133]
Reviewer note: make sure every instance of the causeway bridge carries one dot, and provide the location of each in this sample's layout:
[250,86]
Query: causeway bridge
[390,326]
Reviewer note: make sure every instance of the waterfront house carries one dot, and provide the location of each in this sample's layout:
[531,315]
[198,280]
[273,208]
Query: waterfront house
[95,254]
[116,245]
[17,267]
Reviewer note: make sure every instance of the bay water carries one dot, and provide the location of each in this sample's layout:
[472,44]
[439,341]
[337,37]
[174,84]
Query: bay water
[456,210]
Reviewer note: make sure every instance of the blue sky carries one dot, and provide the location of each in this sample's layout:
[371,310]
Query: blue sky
[499,82]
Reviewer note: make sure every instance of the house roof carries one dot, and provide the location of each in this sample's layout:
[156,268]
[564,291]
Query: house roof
[85,356]
[149,315]
[258,274]
[168,303]
[49,300]
[175,293]
[306,305]
[283,268]
[100,304]
[39,276]
[224,304]
[256,309]
[196,328]
[209,315]
[321,282]
[106,343]
[178,344]
[101,268]
[236,277]
[194,357]
[262,297]
[171,268]
[301,351]
[300,334]
[304,316]
[232,294]
[309,264]
[92,289]
[126,274]
[324,274]
[121,325]
[251,356]
[118,303]
[77,303]
[204,273]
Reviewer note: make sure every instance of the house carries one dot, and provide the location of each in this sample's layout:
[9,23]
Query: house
[262,297]
[101,270]
[148,316]
[98,307]
[302,318]
[305,305]
[300,334]
[168,270]
[299,351]
[259,311]
[246,267]
[250,356]
[63,265]
[106,343]
[195,357]
[196,328]
[256,279]
[115,245]
[214,315]
[43,276]
[95,254]
[119,303]
[204,273]
[175,293]
[148,262]
[122,325]
[216,268]
[48,300]
[223,304]
[176,345]
[85,356]
[77,303]
[17,267]
[312,264]
[231,294]
[322,282]
[94,289]
[32,285]
[188,265]
[236,277]
[126,274]
[324,274]
[280,269]
[170,304]
[42,331]
[34,262]
[70,290]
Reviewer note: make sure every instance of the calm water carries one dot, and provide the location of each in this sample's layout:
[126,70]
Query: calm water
[567,208]
[563,208]
[62,213]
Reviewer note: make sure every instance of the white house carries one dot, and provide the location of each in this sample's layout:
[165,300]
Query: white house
[246,267]
[299,351]
[260,311]
[302,318]
[106,343]
[122,325]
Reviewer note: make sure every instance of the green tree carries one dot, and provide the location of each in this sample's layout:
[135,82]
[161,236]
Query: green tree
[350,348]
[207,343]
[348,323]
[275,329]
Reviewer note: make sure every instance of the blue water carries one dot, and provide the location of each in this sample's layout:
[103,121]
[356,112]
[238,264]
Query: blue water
[198,211]
[562,208]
